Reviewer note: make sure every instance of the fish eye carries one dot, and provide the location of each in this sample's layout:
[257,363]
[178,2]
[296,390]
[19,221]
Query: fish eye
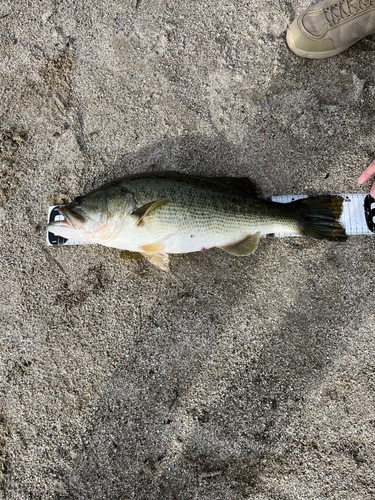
[78,200]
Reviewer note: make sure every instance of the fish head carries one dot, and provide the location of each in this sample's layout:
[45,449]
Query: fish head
[96,217]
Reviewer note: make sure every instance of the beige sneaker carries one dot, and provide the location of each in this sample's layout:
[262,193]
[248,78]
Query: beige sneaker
[329,27]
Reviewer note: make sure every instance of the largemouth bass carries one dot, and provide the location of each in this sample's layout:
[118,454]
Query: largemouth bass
[158,214]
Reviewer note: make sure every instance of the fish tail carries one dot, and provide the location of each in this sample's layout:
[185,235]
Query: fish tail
[319,217]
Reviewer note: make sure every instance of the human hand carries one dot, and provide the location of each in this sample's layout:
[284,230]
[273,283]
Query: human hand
[366,175]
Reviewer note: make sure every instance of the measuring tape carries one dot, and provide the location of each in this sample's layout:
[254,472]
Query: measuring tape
[358,213]
[358,217]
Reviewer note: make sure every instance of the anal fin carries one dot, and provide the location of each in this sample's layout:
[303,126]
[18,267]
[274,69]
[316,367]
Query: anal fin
[245,246]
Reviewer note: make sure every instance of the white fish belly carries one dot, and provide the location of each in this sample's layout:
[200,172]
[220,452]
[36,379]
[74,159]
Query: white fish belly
[188,243]
[190,239]
[201,239]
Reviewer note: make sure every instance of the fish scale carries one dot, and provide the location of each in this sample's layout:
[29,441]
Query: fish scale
[213,219]
[162,213]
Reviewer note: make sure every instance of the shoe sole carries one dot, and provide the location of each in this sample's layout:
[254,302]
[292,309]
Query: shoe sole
[314,55]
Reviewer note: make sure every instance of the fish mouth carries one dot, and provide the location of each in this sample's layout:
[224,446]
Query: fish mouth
[71,226]
[73,219]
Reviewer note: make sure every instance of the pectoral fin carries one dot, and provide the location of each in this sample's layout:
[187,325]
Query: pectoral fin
[147,208]
[243,247]
[154,254]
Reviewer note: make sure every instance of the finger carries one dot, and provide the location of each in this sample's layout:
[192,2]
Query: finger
[370,170]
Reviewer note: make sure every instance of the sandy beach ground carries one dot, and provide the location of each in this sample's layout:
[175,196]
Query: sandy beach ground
[228,378]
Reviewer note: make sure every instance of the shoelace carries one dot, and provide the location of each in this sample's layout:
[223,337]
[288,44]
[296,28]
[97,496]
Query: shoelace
[336,13]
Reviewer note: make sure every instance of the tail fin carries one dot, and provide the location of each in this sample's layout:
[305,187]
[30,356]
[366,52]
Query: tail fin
[319,216]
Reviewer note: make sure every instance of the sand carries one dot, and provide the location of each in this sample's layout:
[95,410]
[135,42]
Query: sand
[228,378]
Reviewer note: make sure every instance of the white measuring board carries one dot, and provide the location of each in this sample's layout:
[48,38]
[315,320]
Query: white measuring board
[358,214]
[358,217]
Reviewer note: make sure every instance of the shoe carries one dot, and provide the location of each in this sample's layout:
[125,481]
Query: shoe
[330,27]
